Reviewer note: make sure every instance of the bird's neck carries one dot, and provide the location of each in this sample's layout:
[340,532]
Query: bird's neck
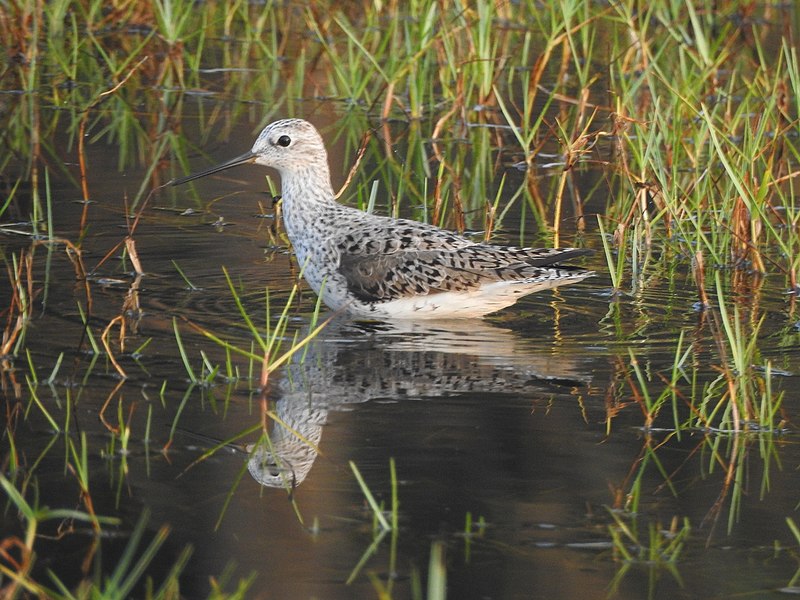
[307,189]
[307,201]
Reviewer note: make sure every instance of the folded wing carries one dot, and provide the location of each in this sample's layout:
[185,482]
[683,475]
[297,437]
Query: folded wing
[401,272]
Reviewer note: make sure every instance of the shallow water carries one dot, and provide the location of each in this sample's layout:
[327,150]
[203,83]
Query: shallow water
[502,419]
[528,422]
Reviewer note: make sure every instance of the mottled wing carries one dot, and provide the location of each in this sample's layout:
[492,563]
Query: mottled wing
[376,278]
[412,272]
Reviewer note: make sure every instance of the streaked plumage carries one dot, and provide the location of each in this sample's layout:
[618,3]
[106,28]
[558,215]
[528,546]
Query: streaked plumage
[373,266]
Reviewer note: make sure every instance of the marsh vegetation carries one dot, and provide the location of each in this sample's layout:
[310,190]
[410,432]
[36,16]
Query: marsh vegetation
[183,419]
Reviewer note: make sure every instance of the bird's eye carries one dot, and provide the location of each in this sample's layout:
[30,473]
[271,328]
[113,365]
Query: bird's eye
[284,141]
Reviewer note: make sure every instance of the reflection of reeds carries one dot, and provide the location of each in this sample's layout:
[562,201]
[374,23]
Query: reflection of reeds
[18,312]
[735,413]
[740,399]
[793,583]
[659,551]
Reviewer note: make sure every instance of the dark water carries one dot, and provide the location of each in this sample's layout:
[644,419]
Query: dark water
[506,420]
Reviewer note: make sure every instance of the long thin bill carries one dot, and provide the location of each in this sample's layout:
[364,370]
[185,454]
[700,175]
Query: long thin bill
[244,159]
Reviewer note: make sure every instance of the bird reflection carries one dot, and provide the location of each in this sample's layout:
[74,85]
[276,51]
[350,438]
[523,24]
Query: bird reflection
[284,458]
[351,362]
